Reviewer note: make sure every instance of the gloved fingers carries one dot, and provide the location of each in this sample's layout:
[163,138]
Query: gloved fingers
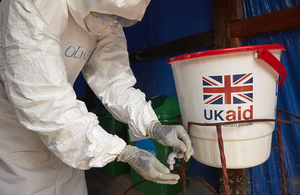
[159,177]
[158,173]
[163,178]
[180,145]
[187,141]
[168,178]
[162,173]
[168,182]
[158,166]
[188,153]
[187,156]
[180,154]
[171,179]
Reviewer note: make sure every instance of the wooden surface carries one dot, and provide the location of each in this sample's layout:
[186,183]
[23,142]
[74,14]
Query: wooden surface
[221,24]
[282,20]
[225,12]
[190,43]
[230,28]
[235,10]
[235,13]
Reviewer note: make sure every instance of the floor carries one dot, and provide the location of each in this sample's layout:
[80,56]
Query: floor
[102,184]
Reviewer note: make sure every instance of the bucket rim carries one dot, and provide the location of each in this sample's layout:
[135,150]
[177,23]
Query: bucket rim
[226,51]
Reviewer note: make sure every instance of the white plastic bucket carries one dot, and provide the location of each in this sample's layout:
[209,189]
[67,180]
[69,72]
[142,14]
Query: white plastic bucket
[224,85]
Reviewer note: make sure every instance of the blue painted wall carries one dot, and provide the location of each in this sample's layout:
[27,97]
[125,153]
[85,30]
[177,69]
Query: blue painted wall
[165,21]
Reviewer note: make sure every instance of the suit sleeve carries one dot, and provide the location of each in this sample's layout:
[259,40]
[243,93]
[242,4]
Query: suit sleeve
[109,75]
[35,80]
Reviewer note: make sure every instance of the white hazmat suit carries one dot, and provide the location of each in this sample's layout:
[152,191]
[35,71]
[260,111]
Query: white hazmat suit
[47,136]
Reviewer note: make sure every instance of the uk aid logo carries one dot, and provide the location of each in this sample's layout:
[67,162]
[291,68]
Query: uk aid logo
[233,94]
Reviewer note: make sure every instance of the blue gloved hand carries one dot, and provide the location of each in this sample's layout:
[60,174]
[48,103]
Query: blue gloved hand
[171,135]
[147,165]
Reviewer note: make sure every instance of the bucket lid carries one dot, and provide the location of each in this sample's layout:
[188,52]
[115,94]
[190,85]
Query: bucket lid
[226,51]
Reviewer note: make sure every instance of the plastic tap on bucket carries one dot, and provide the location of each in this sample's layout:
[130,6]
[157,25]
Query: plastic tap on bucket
[262,51]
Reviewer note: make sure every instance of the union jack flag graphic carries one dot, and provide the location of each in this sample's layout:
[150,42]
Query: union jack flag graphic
[228,89]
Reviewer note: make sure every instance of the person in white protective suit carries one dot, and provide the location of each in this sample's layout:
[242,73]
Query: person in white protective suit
[48,137]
